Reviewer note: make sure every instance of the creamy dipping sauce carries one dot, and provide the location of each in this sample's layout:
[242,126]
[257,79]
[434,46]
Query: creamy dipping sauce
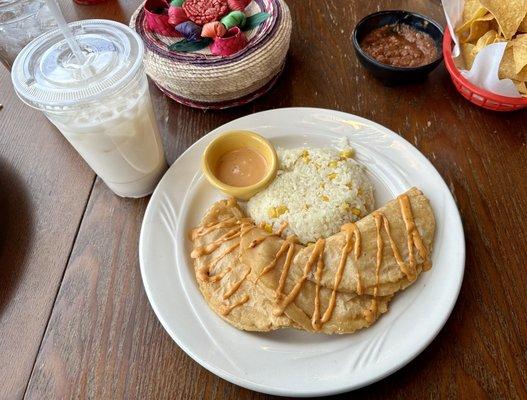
[241,167]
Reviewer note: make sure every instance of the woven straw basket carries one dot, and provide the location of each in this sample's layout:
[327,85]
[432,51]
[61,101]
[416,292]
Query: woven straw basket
[207,81]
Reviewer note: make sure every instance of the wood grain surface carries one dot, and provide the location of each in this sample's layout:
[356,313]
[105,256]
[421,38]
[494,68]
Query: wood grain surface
[44,187]
[98,338]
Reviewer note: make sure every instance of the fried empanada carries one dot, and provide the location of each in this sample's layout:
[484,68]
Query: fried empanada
[260,281]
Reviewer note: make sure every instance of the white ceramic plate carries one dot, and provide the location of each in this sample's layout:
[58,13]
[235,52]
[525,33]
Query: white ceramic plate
[290,362]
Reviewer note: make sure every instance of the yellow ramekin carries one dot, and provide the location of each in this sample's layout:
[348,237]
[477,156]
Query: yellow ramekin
[234,140]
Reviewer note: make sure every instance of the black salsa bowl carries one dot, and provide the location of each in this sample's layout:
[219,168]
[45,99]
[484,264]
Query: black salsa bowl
[389,74]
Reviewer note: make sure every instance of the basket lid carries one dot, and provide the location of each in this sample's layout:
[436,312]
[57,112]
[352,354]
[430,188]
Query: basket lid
[256,37]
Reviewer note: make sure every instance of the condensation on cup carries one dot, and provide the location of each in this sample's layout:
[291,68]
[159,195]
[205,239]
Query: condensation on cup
[21,21]
[103,106]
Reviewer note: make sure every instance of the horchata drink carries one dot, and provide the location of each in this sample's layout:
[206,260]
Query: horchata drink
[21,21]
[101,106]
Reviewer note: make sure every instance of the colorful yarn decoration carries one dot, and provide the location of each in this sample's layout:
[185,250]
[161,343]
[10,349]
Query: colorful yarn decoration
[254,20]
[213,29]
[190,30]
[234,18]
[185,46]
[177,3]
[156,16]
[233,41]
[203,11]
[231,80]
[238,5]
[176,15]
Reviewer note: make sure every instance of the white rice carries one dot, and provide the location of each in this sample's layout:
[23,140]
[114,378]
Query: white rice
[316,191]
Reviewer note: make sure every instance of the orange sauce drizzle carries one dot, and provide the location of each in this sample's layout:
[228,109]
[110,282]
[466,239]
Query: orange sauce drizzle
[203,272]
[413,236]
[241,226]
[205,228]
[257,241]
[228,250]
[285,268]
[352,244]
[351,230]
[371,314]
[316,255]
[285,247]
[225,310]
[210,247]
[282,228]
[260,240]
[236,285]
[212,226]
[218,277]
[315,319]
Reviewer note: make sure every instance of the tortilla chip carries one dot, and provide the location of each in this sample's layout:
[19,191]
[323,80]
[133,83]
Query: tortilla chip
[519,47]
[469,51]
[466,27]
[472,10]
[522,75]
[469,54]
[509,14]
[488,38]
[522,88]
[508,66]
[499,39]
[523,25]
[478,28]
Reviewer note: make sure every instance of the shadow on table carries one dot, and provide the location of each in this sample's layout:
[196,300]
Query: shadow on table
[15,230]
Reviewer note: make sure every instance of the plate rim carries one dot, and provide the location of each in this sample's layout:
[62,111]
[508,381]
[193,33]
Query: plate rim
[248,384]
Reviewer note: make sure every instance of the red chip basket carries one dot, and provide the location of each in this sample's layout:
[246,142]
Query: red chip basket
[471,92]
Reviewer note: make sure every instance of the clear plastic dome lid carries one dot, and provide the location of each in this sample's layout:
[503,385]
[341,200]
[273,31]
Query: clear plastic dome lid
[46,75]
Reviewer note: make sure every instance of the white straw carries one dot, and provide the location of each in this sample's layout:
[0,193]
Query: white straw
[66,31]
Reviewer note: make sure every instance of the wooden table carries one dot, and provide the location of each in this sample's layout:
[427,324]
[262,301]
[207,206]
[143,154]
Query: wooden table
[74,318]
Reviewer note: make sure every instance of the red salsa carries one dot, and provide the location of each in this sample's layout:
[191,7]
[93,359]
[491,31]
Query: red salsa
[400,45]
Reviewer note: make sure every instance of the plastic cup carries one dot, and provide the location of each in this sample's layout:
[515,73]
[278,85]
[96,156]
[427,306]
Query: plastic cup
[102,107]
